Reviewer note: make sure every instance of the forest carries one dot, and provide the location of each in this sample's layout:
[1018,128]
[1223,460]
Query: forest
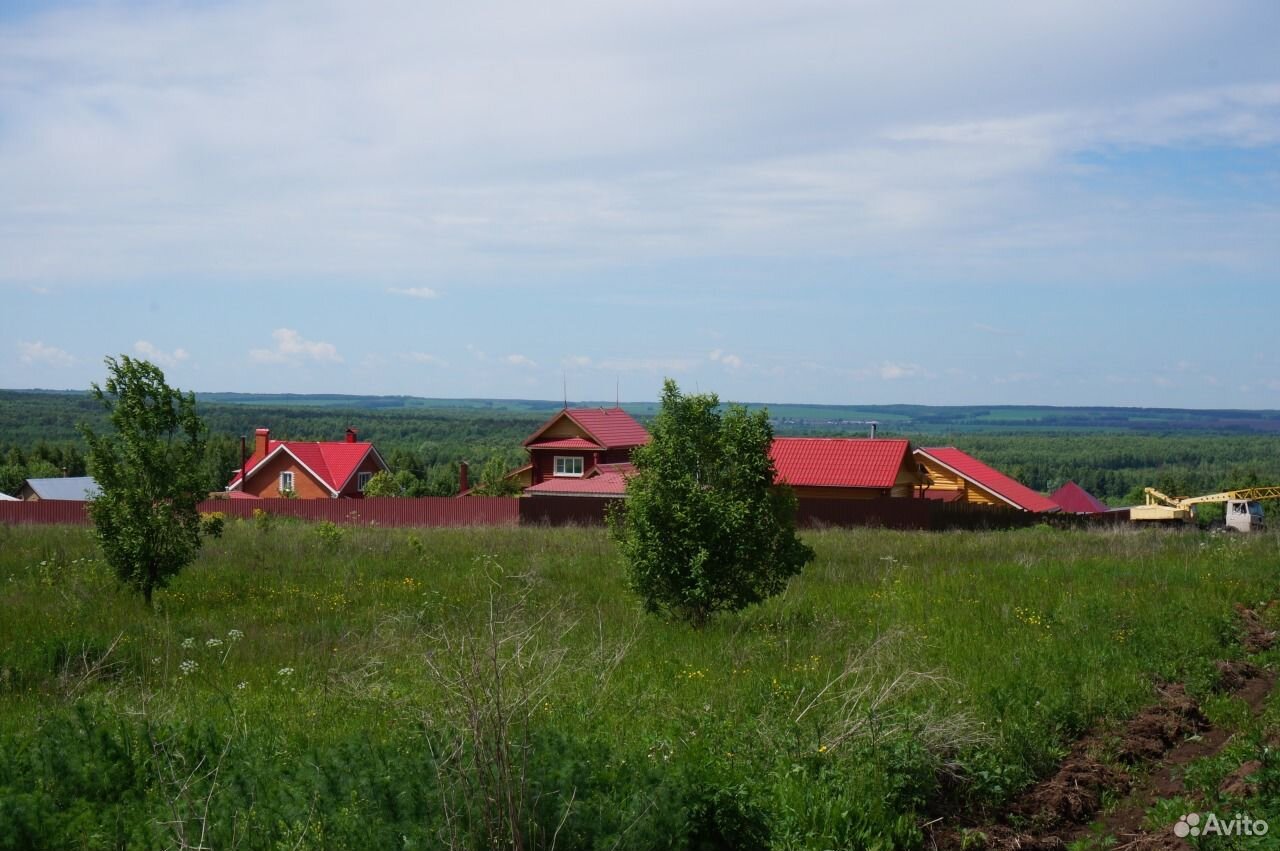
[1111,452]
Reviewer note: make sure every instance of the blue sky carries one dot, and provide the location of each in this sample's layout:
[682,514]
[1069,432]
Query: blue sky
[841,202]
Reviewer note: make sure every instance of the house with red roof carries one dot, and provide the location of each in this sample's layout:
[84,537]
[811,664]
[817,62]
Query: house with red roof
[307,469]
[1073,499]
[581,452]
[957,476]
[846,467]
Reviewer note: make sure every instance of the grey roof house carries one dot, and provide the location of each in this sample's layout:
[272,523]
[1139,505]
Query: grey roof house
[77,488]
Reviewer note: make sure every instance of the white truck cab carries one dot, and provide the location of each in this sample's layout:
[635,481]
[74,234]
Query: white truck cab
[1244,515]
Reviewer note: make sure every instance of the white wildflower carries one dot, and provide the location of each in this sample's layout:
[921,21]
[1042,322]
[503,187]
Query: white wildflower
[213,642]
[189,666]
[188,643]
[284,672]
[234,635]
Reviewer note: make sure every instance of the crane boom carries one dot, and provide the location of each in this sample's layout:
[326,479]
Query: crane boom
[1155,497]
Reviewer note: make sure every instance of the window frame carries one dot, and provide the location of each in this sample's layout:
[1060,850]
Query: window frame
[362,480]
[560,470]
[286,488]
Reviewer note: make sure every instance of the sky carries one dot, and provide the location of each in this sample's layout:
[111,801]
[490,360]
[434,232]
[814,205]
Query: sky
[853,202]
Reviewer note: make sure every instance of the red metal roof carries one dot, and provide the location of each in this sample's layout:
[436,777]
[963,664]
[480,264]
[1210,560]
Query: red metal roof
[838,462]
[566,443]
[605,484]
[989,479]
[1074,499]
[332,462]
[612,428]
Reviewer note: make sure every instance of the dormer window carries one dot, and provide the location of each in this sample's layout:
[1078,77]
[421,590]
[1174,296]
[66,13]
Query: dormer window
[568,465]
[286,482]
[362,479]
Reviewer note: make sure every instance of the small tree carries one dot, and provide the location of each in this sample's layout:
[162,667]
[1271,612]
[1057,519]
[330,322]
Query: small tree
[704,529]
[383,483]
[150,473]
[494,481]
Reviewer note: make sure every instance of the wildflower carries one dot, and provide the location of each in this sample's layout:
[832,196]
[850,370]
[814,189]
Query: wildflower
[284,672]
[213,642]
[189,666]
[188,643]
[155,660]
[240,686]
[234,635]
[822,749]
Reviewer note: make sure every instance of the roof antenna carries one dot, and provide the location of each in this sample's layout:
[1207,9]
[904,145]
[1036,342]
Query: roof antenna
[564,385]
[617,392]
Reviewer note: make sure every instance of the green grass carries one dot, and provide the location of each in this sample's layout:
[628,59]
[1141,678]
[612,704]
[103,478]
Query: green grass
[903,675]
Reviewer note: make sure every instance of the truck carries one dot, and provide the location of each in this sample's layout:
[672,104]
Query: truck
[1243,507]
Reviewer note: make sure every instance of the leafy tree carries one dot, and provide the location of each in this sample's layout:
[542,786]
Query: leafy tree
[494,481]
[704,528]
[149,469]
[383,483]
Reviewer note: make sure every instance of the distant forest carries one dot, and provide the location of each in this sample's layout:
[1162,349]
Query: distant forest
[1112,452]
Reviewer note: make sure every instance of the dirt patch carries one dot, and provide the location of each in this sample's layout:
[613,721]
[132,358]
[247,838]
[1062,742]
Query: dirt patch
[1170,734]
[1237,784]
[1232,676]
[1254,635]
[1157,728]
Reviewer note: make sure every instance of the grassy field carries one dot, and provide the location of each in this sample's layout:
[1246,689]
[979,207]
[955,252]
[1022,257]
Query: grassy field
[316,687]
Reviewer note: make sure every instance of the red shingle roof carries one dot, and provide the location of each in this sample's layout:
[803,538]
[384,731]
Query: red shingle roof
[838,462]
[333,462]
[612,428]
[1013,492]
[605,484]
[1074,499]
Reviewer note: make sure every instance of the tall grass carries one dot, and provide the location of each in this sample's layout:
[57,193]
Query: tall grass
[379,688]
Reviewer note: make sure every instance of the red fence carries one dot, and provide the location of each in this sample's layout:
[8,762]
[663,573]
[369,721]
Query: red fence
[554,511]
[425,511]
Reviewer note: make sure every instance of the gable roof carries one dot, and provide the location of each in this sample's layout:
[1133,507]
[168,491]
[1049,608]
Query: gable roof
[611,428]
[1074,499]
[332,463]
[78,488]
[838,462]
[991,480]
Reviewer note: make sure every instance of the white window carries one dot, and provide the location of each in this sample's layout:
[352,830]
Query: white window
[568,465]
[286,482]
[362,479]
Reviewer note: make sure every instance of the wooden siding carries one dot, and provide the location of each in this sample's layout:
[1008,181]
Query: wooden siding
[946,480]
[370,464]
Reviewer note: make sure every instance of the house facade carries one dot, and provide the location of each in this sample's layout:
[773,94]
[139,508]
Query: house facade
[307,469]
[581,452]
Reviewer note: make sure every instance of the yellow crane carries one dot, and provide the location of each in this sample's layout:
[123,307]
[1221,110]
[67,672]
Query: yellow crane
[1243,506]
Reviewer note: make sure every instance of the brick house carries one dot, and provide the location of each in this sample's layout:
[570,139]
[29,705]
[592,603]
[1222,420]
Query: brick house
[307,469]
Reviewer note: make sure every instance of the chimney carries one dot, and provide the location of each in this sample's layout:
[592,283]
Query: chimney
[351,435]
[261,439]
[463,484]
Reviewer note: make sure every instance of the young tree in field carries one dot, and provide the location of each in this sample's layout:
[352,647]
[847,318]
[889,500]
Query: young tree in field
[150,471]
[704,529]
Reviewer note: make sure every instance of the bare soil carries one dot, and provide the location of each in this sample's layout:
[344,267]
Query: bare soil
[1164,738]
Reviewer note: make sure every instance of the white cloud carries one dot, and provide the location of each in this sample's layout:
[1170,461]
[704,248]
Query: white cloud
[158,356]
[424,358]
[39,353]
[519,360]
[724,142]
[414,292]
[291,348]
[722,357]
[891,371]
